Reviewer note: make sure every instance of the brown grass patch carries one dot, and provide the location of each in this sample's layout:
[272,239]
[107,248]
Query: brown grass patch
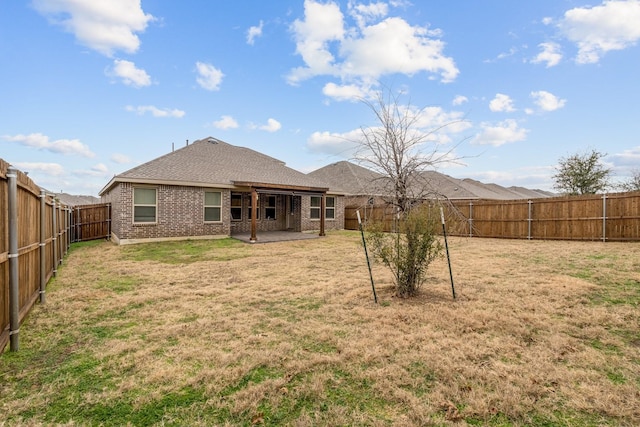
[542,333]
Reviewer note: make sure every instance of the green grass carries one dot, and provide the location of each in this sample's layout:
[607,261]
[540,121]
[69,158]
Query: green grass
[186,252]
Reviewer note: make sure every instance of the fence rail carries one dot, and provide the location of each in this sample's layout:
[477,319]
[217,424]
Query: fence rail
[608,217]
[36,233]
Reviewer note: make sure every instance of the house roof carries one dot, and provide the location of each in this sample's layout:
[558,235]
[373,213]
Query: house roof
[351,179]
[356,180]
[212,162]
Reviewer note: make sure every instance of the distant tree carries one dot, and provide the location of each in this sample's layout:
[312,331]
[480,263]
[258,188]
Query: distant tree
[633,184]
[582,173]
[400,149]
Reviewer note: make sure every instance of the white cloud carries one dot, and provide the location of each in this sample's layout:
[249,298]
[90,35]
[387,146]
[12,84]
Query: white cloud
[366,13]
[613,25]
[226,122]
[272,126]
[501,103]
[50,169]
[209,77]
[104,26]
[97,170]
[155,112]
[550,54]
[362,53]
[348,92]
[254,32]
[502,133]
[342,144]
[130,75]
[120,158]
[547,101]
[59,146]
[459,100]
[628,158]
[433,125]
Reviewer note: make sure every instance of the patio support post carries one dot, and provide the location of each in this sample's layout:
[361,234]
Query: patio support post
[323,203]
[254,213]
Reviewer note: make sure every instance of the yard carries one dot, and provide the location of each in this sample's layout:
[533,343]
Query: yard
[226,333]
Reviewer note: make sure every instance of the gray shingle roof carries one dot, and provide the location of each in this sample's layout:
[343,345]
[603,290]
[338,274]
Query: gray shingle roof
[210,161]
[350,178]
[355,180]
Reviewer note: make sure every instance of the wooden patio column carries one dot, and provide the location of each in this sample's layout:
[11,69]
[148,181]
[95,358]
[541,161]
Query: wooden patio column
[323,203]
[254,213]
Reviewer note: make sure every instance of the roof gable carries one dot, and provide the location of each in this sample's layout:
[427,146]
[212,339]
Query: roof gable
[210,161]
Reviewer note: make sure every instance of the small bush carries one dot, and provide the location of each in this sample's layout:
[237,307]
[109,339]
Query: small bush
[408,252]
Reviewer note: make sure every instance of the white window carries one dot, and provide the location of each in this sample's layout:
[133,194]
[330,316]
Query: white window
[236,207]
[212,206]
[314,212]
[270,208]
[145,205]
[330,208]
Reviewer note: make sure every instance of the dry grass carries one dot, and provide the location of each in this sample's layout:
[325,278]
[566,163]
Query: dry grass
[542,333]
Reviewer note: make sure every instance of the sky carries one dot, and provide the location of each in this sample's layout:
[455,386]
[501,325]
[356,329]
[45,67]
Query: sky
[507,88]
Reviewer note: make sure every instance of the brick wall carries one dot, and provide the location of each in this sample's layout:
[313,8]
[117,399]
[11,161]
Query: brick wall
[180,213]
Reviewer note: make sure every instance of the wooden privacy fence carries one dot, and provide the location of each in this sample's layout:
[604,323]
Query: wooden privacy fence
[91,222]
[608,217]
[35,235]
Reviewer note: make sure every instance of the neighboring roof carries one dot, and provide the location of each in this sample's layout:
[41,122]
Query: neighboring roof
[356,180]
[350,178]
[212,162]
[74,200]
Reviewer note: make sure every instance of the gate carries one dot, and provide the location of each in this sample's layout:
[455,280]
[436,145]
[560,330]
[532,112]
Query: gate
[91,222]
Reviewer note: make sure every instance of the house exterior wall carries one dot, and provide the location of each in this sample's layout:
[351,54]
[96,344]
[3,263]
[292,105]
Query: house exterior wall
[310,224]
[180,214]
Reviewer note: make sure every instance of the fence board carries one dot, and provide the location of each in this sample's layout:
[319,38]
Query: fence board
[610,217]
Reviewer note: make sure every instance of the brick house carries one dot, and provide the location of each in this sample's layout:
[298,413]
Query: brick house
[214,189]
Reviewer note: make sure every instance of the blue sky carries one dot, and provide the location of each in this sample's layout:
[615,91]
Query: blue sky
[90,89]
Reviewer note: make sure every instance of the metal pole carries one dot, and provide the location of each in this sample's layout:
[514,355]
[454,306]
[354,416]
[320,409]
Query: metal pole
[43,246]
[604,218]
[530,210]
[14,288]
[366,253]
[446,245]
[54,239]
[470,219]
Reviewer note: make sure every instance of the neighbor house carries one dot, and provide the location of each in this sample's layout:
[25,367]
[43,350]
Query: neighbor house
[364,187]
[214,189]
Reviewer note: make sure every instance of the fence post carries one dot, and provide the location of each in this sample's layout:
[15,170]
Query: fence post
[470,219]
[530,219]
[14,288]
[43,246]
[604,217]
[54,238]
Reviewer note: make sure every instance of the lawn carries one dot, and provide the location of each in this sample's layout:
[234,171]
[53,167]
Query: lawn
[225,333]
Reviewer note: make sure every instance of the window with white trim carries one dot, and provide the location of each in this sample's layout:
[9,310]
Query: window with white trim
[145,205]
[314,211]
[330,208]
[212,206]
[236,207]
[270,208]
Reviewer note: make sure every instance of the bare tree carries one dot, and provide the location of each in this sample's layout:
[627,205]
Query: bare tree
[633,184]
[400,149]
